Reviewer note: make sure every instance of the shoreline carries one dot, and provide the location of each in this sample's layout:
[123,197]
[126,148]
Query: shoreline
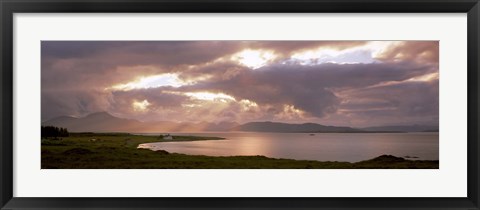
[116,151]
[407,158]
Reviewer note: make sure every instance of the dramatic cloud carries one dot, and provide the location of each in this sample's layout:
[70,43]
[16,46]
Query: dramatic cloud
[290,47]
[415,51]
[330,82]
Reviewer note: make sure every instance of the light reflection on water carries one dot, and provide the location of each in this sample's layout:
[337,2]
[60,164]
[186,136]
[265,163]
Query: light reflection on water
[351,147]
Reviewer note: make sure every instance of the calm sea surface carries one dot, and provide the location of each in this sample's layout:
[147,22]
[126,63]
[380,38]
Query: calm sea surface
[351,147]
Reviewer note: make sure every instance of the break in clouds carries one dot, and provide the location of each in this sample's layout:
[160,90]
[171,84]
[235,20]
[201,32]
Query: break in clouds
[348,83]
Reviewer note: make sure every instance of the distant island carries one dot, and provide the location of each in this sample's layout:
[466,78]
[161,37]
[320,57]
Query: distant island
[105,122]
[276,127]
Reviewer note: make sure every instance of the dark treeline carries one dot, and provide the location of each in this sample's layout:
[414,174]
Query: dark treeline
[52,131]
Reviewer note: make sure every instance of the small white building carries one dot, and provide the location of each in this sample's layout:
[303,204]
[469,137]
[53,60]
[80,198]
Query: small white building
[167,137]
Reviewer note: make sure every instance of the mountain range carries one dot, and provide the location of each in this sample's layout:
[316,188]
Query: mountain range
[276,127]
[105,122]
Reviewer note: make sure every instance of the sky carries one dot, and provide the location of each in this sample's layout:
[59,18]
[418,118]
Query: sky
[343,83]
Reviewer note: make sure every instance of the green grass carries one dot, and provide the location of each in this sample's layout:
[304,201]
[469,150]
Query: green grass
[119,151]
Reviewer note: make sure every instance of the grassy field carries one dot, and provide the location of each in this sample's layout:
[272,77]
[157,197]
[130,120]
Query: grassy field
[119,151]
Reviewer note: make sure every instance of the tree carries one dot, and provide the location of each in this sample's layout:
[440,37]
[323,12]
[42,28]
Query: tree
[55,132]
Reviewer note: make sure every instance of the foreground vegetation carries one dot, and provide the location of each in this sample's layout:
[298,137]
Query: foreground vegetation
[119,151]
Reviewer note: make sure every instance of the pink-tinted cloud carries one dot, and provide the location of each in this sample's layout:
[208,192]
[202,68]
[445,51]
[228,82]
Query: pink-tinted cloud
[80,77]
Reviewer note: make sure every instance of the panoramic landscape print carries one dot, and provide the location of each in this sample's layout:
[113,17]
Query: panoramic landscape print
[239,104]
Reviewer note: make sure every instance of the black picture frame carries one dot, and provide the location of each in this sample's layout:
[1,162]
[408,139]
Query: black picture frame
[10,7]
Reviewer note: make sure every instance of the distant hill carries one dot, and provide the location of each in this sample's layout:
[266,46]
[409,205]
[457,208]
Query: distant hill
[105,122]
[293,128]
[404,128]
[96,122]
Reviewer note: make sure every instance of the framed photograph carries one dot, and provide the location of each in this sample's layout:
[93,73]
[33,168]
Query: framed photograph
[239,105]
